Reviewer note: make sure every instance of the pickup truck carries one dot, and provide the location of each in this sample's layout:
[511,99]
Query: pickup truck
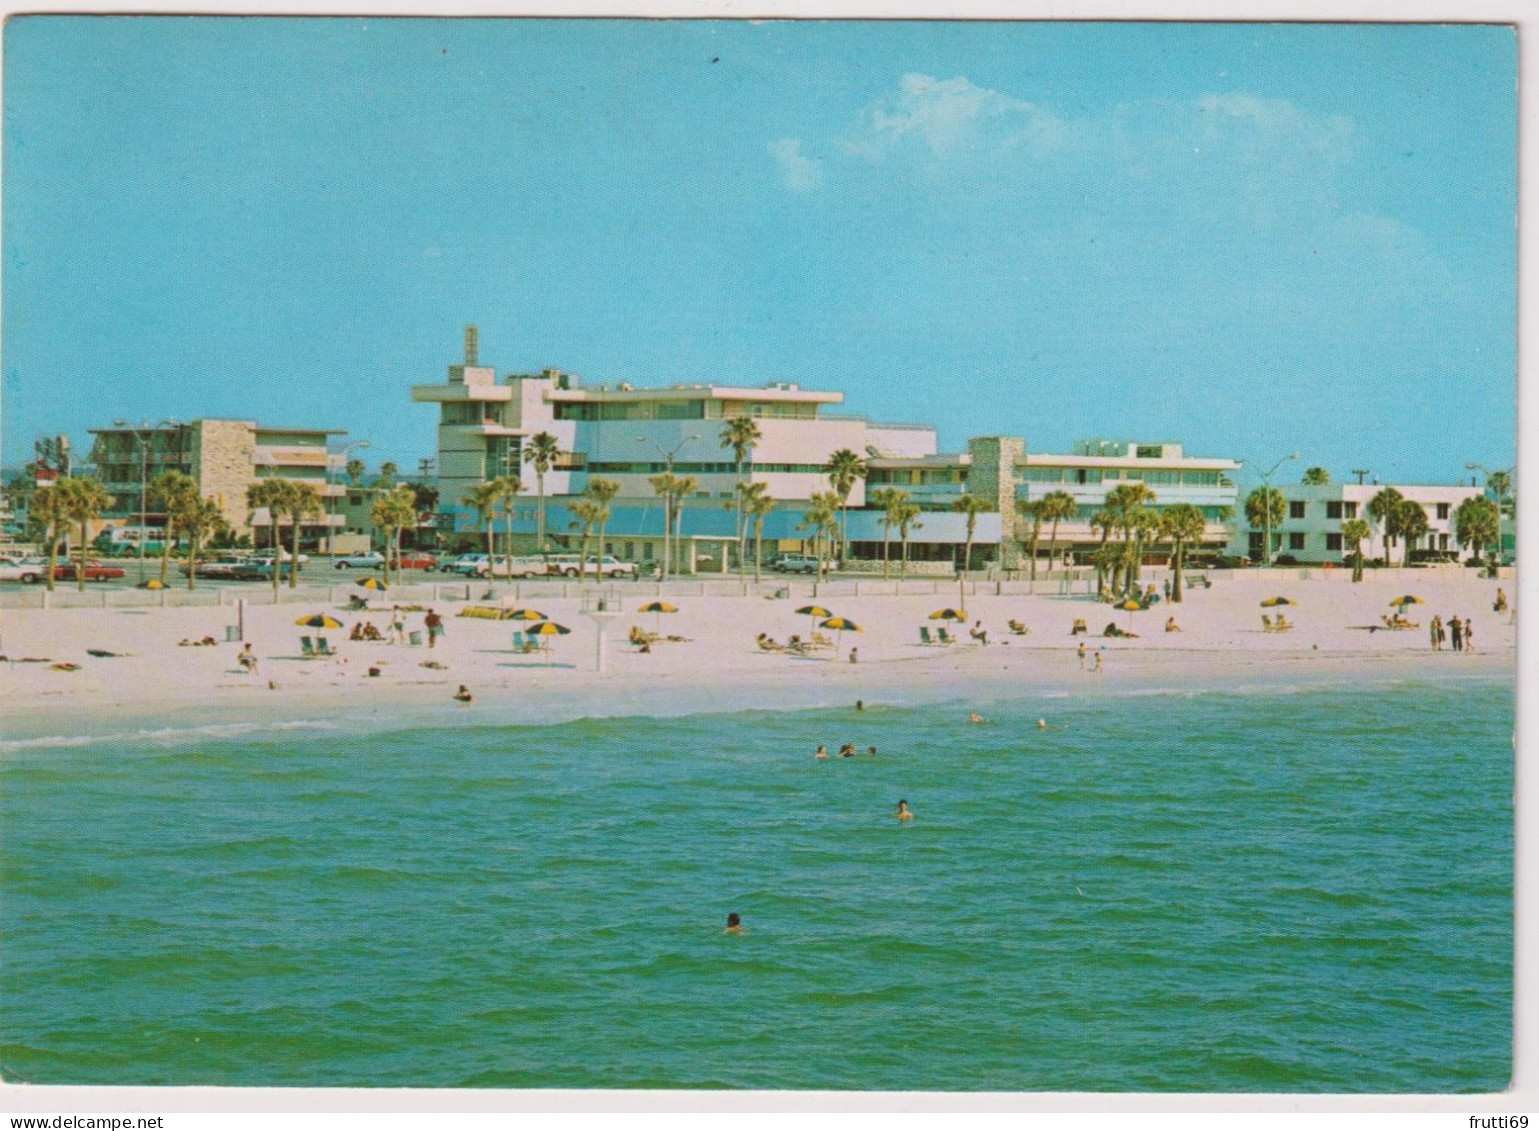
[531,565]
[567,566]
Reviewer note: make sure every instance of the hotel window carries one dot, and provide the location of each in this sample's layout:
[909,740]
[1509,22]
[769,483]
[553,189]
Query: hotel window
[1349,510]
[1333,510]
[1442,511]
[1296,541]
[1296,510]
[1150,451]
[1333,541]
[1256,538]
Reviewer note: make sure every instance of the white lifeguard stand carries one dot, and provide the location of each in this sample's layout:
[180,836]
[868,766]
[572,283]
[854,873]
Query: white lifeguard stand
[601,608]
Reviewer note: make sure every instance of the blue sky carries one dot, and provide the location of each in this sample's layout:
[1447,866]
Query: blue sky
[1255,239]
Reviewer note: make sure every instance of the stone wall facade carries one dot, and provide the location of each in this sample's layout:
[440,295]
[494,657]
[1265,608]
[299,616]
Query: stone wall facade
[992,476]
[222,466]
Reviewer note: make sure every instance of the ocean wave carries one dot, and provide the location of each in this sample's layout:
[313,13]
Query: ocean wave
[165,735]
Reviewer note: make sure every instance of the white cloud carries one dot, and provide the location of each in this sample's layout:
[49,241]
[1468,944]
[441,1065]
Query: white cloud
[945,115]
[799,172]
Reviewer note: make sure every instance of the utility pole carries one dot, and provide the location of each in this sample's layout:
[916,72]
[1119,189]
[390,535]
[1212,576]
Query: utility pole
[1361,473]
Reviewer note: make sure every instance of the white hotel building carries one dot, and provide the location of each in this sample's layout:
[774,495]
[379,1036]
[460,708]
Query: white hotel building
[629,435]
[1311,531]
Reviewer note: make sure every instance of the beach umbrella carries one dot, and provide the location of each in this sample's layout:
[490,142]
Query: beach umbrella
[841,625]
[813,611]
[1131,606]
[152,583]
[1273,602]
[1402,602]
[319,620]
[657,608]
[371,583]
[949,614]
[525,614]
[549,628]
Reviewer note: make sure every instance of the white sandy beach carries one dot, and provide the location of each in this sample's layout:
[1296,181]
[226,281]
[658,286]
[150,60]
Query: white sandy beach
[154,681]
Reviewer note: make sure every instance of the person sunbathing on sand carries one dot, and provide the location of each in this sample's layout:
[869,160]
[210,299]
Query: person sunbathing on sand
[1172,626]
[463,695]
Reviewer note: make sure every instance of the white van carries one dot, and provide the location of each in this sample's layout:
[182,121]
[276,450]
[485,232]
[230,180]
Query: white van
[567,565]
[530,565]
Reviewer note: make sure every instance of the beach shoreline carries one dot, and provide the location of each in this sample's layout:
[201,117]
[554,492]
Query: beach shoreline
[153,683]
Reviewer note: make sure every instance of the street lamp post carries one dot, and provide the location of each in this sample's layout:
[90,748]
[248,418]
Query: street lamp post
[668,456]
[143,435]
[331,546]
[1266,506]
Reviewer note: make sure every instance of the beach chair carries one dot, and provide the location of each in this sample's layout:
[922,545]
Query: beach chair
[414,639]
[322,648]
[821,641]
[1079,629]
[306,648]
[945,637]
[518,642]
[1266,624]
[924,635]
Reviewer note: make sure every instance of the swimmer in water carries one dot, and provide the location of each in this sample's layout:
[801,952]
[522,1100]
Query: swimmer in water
[903,812]
[974,717]
[822,752]
[860,704]
[463,695]
[847,750]
[734,924]
[1041,724]
[871,752]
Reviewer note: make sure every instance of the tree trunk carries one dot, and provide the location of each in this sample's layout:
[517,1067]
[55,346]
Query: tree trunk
[509,520]
[277,541]
[1175,583]
[758,547]
[540,476]
[1052,546]
[491,551]
[53,554]
[294,553]
[886,549]
[80,566]
[903,569]
[192,558]
[598,562]
[165,552]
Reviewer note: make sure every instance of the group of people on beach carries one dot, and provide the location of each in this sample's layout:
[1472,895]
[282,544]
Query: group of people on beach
[1462,633]
[395,632]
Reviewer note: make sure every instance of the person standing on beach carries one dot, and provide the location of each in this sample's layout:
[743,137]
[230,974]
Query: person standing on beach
[1435,631]
[1456,626]
[434,625]
[1469,635]
[1097,668]
[397,625]
[1081,655]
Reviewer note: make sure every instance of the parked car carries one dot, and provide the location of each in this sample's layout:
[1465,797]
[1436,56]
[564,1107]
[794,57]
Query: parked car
[530,565]
[799,563]
[567,565]
[94,571]
[411,559]
[27,570]
[468,564]
[369,559]
[217,568]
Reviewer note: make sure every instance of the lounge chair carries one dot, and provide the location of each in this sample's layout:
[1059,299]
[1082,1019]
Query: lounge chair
[924,635]
[821,641]
[322,648]
[1266,624]
[945,637]
[307,648]
[1079,629]
[520,642]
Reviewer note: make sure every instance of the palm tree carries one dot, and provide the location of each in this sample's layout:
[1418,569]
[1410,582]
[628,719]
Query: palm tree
[47,509]
[822,518]
[393,512]
[1106,560]
[484,497]
[1182,523]
[663,485]
[1032,509]
[1145,525]
[1354,532]
[305,502]
[1316,477]
[1413,525]
[1056,506]
[542,452]
[508,488]
[1384,508]
[198,518]
[1477,524]
[83,499]
[169,489]
[740,433]
[906,514]
[603,491]
[272,495]
[972,506]
[683,487]
[890,500]
[844,469]
[757,504]
[387,475]
[587,513]
[355,470]
[1265,509]
[1104,521]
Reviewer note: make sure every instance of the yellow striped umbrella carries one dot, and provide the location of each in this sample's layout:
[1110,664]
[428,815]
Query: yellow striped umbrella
[549,628]
[1402,602]
[812,612]
[841,625]
[1273,602]
[949,614]
[525,614]
[1130,606]
[152,583]
[371,583]
[319,620]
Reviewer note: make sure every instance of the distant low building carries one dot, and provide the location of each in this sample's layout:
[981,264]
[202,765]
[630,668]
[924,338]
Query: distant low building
[1310,532]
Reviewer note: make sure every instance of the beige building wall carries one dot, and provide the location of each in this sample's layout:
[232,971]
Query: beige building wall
[222,453]
[991,475]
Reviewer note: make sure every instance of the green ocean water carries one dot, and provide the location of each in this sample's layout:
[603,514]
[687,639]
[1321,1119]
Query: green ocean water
[1307,889]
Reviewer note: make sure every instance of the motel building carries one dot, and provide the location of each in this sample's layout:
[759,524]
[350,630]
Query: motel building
[1310,533]
[223,457]
[629,435]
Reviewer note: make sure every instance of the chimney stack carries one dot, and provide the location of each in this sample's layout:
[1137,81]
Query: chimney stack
[471,343]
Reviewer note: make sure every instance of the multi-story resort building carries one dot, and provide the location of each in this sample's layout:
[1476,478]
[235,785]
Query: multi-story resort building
[629,435]
[223,457]
[1310,532]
